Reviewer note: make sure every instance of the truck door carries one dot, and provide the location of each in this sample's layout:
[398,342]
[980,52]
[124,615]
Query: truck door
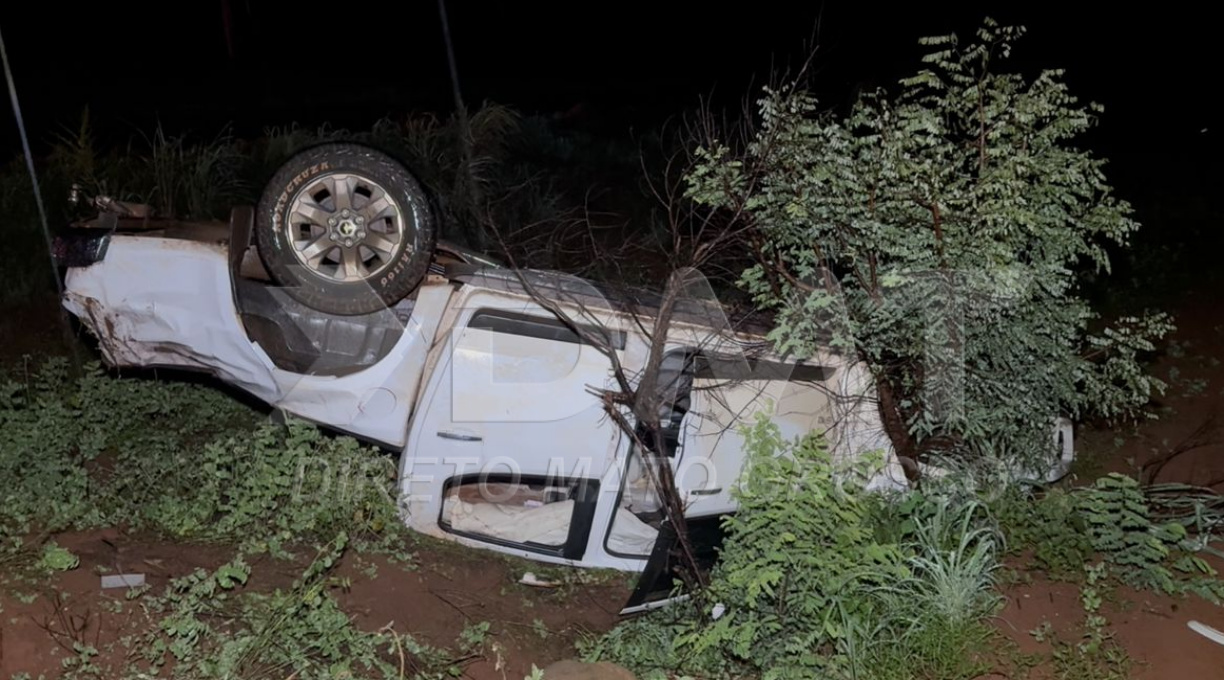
[726,394]
[510,446]
[634,523]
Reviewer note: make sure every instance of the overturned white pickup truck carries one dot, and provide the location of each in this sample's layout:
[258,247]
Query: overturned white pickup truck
[455,364]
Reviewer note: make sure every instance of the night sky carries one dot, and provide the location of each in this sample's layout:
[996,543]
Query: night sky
[628,64]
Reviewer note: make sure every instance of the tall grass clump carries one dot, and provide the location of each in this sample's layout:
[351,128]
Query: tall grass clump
[809,583]
[935,614]
[25,269]
[193,180]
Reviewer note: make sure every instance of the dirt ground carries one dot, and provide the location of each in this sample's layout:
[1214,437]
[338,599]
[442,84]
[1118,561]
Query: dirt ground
[431,597]
[1152,628]
[449,587]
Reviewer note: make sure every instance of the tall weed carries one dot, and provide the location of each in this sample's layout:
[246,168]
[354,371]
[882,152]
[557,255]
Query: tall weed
[810,585]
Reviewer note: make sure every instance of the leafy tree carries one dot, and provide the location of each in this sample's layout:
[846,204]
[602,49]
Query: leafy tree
[940,234]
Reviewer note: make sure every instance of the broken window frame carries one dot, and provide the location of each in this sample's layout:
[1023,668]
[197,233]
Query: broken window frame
[584,491]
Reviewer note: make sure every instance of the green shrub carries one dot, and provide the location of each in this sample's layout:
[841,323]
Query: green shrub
[803,554]
[807,587]
[1049,527]
[940,234]
[1110,520]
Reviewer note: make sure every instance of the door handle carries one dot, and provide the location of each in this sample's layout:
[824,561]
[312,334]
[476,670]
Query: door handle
[445,434]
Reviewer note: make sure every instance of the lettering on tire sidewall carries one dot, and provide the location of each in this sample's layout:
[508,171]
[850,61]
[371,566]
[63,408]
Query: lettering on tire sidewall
[402,263]
[291,188]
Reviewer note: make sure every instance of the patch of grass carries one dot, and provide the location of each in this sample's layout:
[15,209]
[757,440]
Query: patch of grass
[183,460]
[193,180]
[934,651]
[936,613]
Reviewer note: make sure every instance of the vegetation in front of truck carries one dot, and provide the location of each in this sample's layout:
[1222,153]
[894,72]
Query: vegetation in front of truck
[89,450]
[820,577]
[185,461]
[941,234]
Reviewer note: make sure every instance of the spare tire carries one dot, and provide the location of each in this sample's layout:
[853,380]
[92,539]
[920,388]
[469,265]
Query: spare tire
[345,228]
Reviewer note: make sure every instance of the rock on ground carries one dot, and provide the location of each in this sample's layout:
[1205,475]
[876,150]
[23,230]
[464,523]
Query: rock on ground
[577,670]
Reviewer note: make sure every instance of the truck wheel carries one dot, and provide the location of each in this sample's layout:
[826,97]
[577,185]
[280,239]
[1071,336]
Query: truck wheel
[345,228]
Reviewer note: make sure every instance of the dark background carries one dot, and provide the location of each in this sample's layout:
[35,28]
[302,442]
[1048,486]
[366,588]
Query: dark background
[625,65]
[351,62]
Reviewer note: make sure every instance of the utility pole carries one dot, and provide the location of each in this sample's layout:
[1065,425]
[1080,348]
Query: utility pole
[227,22]
[65,324]
[476,235]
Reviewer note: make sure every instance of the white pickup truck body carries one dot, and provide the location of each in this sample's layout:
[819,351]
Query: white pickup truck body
[489,399]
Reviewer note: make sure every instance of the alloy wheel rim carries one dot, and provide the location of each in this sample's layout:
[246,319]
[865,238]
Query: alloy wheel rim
[345,227]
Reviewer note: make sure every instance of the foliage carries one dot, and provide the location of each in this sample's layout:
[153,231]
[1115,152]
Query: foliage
[58,427]
[213,625]
[56,558]
[951,562]
[1118,527]
[941,235]
[90,449]
[1110,520]
[819,578]
[193,180]
[273,485]
[804,546]
[25,269]
[646,646]
[933,618]
[810,584]
[1049,526]
[1146,554]
[181,459]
